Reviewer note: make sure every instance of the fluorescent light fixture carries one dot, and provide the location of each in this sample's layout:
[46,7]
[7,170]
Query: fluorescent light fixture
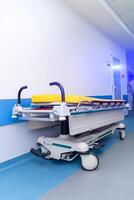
[116,66]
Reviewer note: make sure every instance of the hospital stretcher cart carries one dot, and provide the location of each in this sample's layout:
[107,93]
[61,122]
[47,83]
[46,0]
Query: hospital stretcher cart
[83,123]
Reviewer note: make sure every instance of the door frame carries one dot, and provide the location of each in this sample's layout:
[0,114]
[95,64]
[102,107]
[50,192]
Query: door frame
[112,75]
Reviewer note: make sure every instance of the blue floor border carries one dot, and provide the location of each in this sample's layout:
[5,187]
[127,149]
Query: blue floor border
[14,161]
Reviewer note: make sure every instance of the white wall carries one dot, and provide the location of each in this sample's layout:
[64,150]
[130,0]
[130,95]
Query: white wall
[16,140]
[43,41]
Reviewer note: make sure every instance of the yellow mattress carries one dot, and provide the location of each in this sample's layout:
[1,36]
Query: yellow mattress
[50,98]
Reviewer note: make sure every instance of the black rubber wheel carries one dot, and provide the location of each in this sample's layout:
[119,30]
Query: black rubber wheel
[121,136]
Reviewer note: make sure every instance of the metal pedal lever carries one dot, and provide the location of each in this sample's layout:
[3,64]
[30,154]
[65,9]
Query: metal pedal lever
[98,146]
[37,152]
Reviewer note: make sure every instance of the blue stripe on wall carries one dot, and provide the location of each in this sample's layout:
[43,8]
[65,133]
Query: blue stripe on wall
[7,104]
[6,110]
[103,97]
[125,97]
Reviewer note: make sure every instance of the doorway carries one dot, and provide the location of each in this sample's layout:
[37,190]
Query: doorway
[116,79]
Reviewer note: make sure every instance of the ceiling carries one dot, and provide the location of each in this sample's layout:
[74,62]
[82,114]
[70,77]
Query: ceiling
[125,10]
[114,17]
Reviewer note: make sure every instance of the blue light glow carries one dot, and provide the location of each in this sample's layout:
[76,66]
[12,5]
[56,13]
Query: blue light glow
[116,67]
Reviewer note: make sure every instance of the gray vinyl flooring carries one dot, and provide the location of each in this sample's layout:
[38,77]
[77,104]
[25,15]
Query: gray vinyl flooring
[113,180]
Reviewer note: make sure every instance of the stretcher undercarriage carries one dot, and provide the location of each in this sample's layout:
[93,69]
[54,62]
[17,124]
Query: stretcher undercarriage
[83,123]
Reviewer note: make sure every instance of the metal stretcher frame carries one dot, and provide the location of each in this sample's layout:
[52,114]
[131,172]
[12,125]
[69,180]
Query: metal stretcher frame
[83,125]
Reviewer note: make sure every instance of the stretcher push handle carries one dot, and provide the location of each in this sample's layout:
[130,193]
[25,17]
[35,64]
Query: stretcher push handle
[61,89]
[19,94]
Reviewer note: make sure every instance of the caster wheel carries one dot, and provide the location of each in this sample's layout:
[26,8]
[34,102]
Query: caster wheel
[48,157]
[122,135]
[89,162]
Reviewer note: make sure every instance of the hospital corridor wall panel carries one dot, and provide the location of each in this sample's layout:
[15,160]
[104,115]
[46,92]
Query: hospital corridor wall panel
[45,41]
